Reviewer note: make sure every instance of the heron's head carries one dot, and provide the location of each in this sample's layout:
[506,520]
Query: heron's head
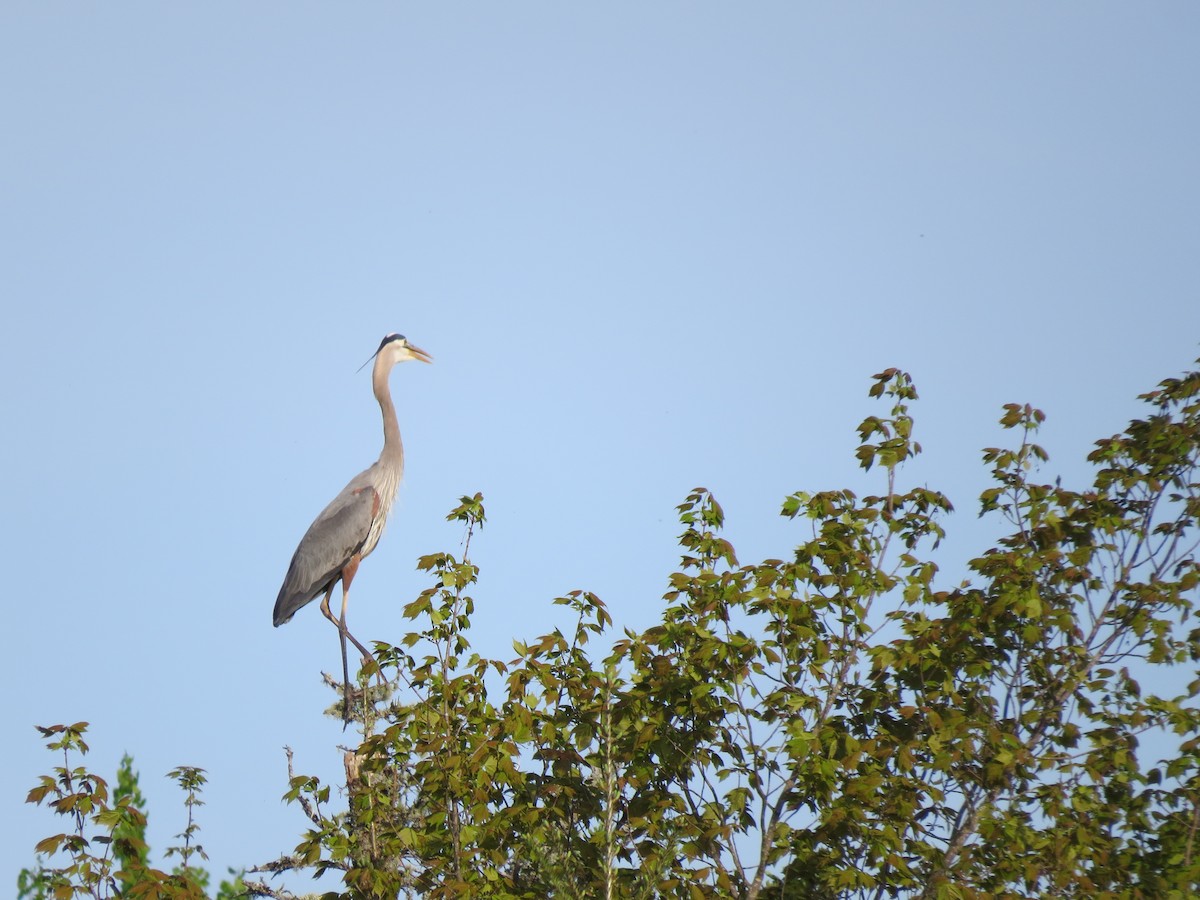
[395,348]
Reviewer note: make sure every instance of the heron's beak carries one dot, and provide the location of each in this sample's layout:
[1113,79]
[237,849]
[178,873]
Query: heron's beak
[419,354]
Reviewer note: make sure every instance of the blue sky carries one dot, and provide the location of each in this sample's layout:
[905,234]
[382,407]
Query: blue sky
[650,246]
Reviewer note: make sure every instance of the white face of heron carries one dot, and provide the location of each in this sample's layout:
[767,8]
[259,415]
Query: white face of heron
[396,348]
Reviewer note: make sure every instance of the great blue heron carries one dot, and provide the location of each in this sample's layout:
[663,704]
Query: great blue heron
[349,528]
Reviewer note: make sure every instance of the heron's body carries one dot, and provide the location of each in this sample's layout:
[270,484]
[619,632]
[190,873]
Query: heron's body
[349,528]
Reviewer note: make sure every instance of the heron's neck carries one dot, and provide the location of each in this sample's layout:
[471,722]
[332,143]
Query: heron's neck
[393,448]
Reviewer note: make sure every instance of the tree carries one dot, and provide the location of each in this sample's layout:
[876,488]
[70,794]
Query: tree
[836,724]
[104,853]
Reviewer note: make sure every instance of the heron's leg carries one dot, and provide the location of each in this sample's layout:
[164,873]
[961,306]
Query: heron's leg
[348,573]
[341,627]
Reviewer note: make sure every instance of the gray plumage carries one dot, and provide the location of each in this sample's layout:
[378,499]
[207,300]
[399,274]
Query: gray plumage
[336,535]
[348,529]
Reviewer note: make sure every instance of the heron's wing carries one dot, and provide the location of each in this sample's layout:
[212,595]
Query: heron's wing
[334,536]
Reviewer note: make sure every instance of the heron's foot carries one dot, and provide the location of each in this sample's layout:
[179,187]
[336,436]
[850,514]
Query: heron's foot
[352,699]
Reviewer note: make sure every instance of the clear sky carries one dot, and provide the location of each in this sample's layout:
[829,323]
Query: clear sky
[650,246]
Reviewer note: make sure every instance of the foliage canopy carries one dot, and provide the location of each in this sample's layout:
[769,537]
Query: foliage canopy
[837,724]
